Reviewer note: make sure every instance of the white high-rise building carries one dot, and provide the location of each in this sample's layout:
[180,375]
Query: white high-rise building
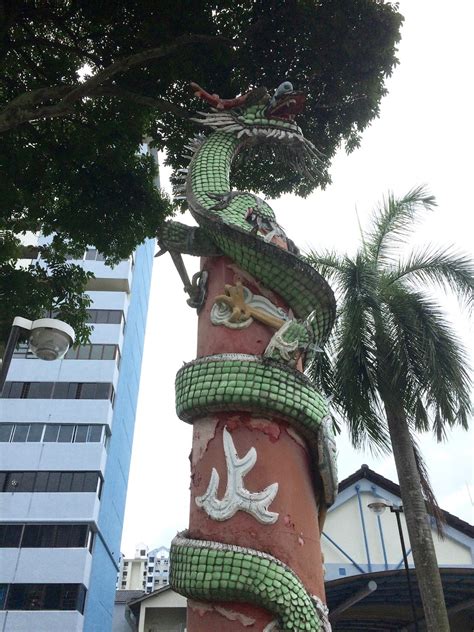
[148,570]
[66,432]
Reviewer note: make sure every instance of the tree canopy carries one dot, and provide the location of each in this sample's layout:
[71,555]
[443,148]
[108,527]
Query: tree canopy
[83,83]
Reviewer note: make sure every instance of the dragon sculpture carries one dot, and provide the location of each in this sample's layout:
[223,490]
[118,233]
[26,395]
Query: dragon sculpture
[241,228]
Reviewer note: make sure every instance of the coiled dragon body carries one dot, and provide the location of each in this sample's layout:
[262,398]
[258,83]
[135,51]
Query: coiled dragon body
[243,227]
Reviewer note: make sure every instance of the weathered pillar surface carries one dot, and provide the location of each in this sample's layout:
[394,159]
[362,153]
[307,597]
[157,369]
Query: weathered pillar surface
[262,462]
[282,456]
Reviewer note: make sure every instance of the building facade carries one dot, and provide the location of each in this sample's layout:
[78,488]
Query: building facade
[367,586]
[147,571]
[372,543]
[66,432]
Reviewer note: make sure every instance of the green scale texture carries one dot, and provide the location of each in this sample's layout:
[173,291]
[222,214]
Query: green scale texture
[213,571]
[249,383]
[293,279]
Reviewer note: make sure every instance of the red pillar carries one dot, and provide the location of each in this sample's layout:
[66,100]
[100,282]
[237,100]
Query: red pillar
[282,457]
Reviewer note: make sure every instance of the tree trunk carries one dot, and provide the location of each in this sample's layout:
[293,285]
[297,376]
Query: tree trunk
[419,530]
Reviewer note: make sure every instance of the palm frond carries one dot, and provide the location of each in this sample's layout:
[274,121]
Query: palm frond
[364,419]
[404,366]
[395,220]
[442,267]
[435,363]
[330,266]
[355,382]
[320,371]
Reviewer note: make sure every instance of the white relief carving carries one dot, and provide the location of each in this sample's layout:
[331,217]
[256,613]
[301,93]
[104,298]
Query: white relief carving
[327,454]
[323,613]
[221,312]
[271,627]
[278,343]
[236,497]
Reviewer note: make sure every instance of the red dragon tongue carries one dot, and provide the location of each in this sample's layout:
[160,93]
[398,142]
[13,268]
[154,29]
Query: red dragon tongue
[215,100]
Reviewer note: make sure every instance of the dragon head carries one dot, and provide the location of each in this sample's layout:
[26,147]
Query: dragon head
[257,118]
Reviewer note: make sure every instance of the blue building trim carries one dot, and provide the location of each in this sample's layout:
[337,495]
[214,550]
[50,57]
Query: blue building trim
[364,531]
[359,568]
[402,562]
[98,612]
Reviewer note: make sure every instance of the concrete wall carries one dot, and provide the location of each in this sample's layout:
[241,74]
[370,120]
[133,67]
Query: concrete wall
[49,507]
[163,620]
[45,566]
[53,456]
[41,621]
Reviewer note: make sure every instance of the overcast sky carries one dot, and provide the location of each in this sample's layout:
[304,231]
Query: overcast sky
[423,136]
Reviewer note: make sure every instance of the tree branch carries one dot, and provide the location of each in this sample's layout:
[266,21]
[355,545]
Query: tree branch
[27,107]
[161,105]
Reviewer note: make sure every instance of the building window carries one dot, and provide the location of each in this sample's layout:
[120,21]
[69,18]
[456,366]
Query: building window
[94,352]
[105,316]
[92,254]
[20,433]
[44,597]
[83,352]
[6,432]
[10,535]
[3,595]
[59,390]
[54,536]
[84,433]
[51,482]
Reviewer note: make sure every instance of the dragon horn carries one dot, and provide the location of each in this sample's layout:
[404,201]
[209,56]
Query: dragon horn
[215,100]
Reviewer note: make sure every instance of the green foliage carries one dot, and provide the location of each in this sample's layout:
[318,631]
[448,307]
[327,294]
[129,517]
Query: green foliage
[69,161]
[41,288]
[392,347]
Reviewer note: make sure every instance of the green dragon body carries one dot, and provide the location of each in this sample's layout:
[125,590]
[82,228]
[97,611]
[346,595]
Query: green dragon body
[243,227]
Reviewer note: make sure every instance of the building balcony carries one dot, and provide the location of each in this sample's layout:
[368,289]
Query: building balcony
[50,507]
[56,410]
[117,279]
[33,370]
[53,456]
[41,620]
[107,334]
[45,566]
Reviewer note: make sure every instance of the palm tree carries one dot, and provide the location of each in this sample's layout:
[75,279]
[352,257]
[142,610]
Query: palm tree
[394,363]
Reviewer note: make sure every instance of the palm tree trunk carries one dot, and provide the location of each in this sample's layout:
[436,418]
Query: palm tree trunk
[419,530]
